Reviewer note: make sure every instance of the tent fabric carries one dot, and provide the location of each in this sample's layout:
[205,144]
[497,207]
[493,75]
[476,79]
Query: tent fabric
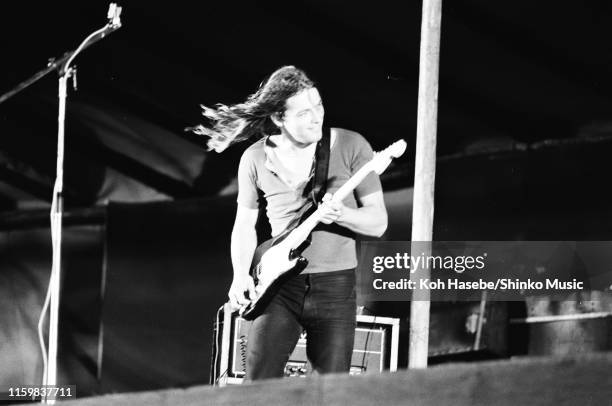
[25,266]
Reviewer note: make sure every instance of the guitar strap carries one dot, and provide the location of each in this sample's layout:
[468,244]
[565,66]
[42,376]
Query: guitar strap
[319,180]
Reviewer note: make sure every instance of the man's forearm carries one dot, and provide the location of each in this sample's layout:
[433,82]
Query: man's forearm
[367,220]
[243,246]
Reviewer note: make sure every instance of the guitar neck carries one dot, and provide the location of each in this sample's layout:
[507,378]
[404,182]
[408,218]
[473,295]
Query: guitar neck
[352,183]
[300,233]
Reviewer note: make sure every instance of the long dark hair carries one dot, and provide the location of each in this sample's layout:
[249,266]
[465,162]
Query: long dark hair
[238,122]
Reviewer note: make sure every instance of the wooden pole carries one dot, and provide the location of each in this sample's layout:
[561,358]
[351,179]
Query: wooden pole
[425,174]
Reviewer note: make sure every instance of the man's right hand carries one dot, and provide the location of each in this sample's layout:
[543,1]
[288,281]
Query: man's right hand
[329,210]
[237,293]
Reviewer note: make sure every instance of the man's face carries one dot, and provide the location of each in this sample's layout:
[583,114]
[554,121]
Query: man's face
[303,118]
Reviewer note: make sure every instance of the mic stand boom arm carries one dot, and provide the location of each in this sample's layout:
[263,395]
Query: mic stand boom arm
[60,63]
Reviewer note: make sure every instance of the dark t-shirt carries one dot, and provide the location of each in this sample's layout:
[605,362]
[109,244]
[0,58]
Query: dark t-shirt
[332,247]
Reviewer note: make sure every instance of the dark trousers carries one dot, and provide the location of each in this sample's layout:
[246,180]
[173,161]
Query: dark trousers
[324,306]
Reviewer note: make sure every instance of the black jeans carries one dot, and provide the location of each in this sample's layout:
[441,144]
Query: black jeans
[323,305]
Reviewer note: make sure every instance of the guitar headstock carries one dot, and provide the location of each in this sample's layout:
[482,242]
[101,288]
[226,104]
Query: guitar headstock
[113,14]
[382,159]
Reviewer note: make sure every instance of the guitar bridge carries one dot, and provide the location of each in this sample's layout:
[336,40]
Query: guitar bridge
[257,273]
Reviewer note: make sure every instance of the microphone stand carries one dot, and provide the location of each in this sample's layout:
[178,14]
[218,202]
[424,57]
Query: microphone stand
[52,299]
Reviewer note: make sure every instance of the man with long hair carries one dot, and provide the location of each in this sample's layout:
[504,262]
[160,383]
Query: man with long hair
[287,113]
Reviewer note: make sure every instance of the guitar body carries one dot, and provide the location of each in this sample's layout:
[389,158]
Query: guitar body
[267,293]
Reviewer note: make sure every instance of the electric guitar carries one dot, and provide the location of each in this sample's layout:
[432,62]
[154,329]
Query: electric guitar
[279,259]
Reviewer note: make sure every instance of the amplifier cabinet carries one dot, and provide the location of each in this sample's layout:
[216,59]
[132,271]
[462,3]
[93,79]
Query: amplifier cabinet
[375,348]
